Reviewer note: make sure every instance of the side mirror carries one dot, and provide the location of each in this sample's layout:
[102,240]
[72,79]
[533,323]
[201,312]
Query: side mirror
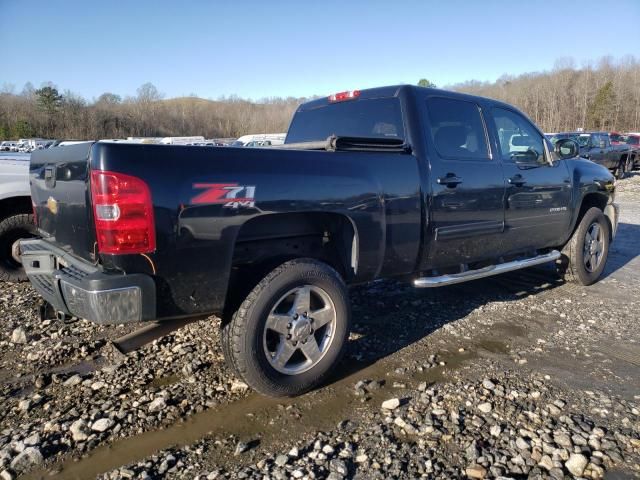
[566,148]
[602,144]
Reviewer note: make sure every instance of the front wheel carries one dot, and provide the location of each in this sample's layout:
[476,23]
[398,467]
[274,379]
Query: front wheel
[585,255]
[291,330]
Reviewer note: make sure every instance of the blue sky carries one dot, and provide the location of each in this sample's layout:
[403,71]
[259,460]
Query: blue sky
[297,48]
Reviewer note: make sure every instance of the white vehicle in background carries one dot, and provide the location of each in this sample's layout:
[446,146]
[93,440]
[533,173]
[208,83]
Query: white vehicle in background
[182,140]
[16,216]
[272,138]
[7,145]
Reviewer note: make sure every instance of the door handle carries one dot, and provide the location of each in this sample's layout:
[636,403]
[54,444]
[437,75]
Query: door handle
[450,180]
[517,180]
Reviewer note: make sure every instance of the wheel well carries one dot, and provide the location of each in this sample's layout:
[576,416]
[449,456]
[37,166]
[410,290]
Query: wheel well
[267,241]
[593,200]
[15,205]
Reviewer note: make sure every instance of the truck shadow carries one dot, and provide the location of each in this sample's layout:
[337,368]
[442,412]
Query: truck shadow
[390,315]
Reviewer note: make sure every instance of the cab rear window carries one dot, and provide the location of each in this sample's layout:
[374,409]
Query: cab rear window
[371,118]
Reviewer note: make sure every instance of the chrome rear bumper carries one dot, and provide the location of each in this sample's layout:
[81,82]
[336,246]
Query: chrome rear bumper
[77,288]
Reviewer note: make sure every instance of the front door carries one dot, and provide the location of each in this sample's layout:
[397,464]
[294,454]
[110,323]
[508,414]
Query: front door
[467,185]
[538,195]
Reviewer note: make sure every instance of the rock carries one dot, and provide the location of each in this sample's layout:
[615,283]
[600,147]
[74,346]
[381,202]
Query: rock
[239,386]
[95,386]
[79,431]
[488,384]
[522,444]
[282,460]
[241,447]
[495,431]
[328,450]
[6,475]
[19,336]
[391,404]
[158,404]
[546,462]
[29,457]
[476,471]
[294,452]
[338,466]
[485,407]
[576,464]
[102,425]
[73,380]
[563,440]
[32,440]
[24,405]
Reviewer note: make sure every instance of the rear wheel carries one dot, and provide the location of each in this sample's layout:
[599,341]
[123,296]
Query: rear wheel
[585,255]
[291,330]
[12,230]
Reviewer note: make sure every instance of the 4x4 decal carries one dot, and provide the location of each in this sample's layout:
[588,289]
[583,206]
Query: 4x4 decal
[231,195]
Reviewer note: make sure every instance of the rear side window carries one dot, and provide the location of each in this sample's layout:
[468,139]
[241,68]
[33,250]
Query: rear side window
[377,118]
[457,129]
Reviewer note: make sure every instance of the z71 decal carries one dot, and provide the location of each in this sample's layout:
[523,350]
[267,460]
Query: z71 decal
[230,195]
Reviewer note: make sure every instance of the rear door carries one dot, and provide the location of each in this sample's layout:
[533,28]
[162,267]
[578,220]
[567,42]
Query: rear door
[538,193]
[467,184]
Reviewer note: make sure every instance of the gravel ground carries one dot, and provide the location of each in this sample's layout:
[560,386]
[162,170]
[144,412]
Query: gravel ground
[518,376]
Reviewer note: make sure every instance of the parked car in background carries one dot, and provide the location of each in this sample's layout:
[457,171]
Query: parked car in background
[274,138]
[633,140]
[16,216]
[597,147]
[7,145]
[397,181]
[616,138]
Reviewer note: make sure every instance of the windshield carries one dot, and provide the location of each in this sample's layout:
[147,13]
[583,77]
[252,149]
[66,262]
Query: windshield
[583,140]
[616,137]
[633,140]
[560,136]
[377,118]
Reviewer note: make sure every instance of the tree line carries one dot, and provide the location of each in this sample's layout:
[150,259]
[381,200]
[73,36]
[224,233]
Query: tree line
[603,95]
[46,112]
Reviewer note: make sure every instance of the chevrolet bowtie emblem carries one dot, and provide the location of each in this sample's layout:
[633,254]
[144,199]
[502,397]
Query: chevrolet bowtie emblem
[52,205]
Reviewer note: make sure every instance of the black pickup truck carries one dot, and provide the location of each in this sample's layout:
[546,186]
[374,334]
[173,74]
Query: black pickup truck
[397,181]
[597,147]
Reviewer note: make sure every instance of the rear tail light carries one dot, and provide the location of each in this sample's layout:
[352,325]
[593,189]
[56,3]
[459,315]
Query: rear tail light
[123,213]
[342,96]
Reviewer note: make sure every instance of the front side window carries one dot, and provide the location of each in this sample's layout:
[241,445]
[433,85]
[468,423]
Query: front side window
[520,141]
[457,129]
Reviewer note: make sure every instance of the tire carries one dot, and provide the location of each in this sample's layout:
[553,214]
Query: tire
[579,266]
[621,170]
[304,299]
[12,229]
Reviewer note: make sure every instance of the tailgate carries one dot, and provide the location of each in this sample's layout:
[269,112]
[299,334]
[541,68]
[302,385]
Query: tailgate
[60,193]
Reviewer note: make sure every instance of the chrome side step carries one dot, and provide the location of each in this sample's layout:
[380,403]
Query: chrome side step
[430,282]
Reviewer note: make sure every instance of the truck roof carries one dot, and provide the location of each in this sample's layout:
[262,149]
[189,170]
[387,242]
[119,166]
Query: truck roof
[396,90]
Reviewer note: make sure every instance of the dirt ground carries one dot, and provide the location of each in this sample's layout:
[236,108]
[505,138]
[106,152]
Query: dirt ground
[517,376]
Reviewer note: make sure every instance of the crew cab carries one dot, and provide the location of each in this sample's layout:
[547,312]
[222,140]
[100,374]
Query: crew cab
[400,181]
[597,147]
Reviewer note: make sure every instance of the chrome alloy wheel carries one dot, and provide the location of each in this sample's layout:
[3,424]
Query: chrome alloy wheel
[299,329]
[593,247]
